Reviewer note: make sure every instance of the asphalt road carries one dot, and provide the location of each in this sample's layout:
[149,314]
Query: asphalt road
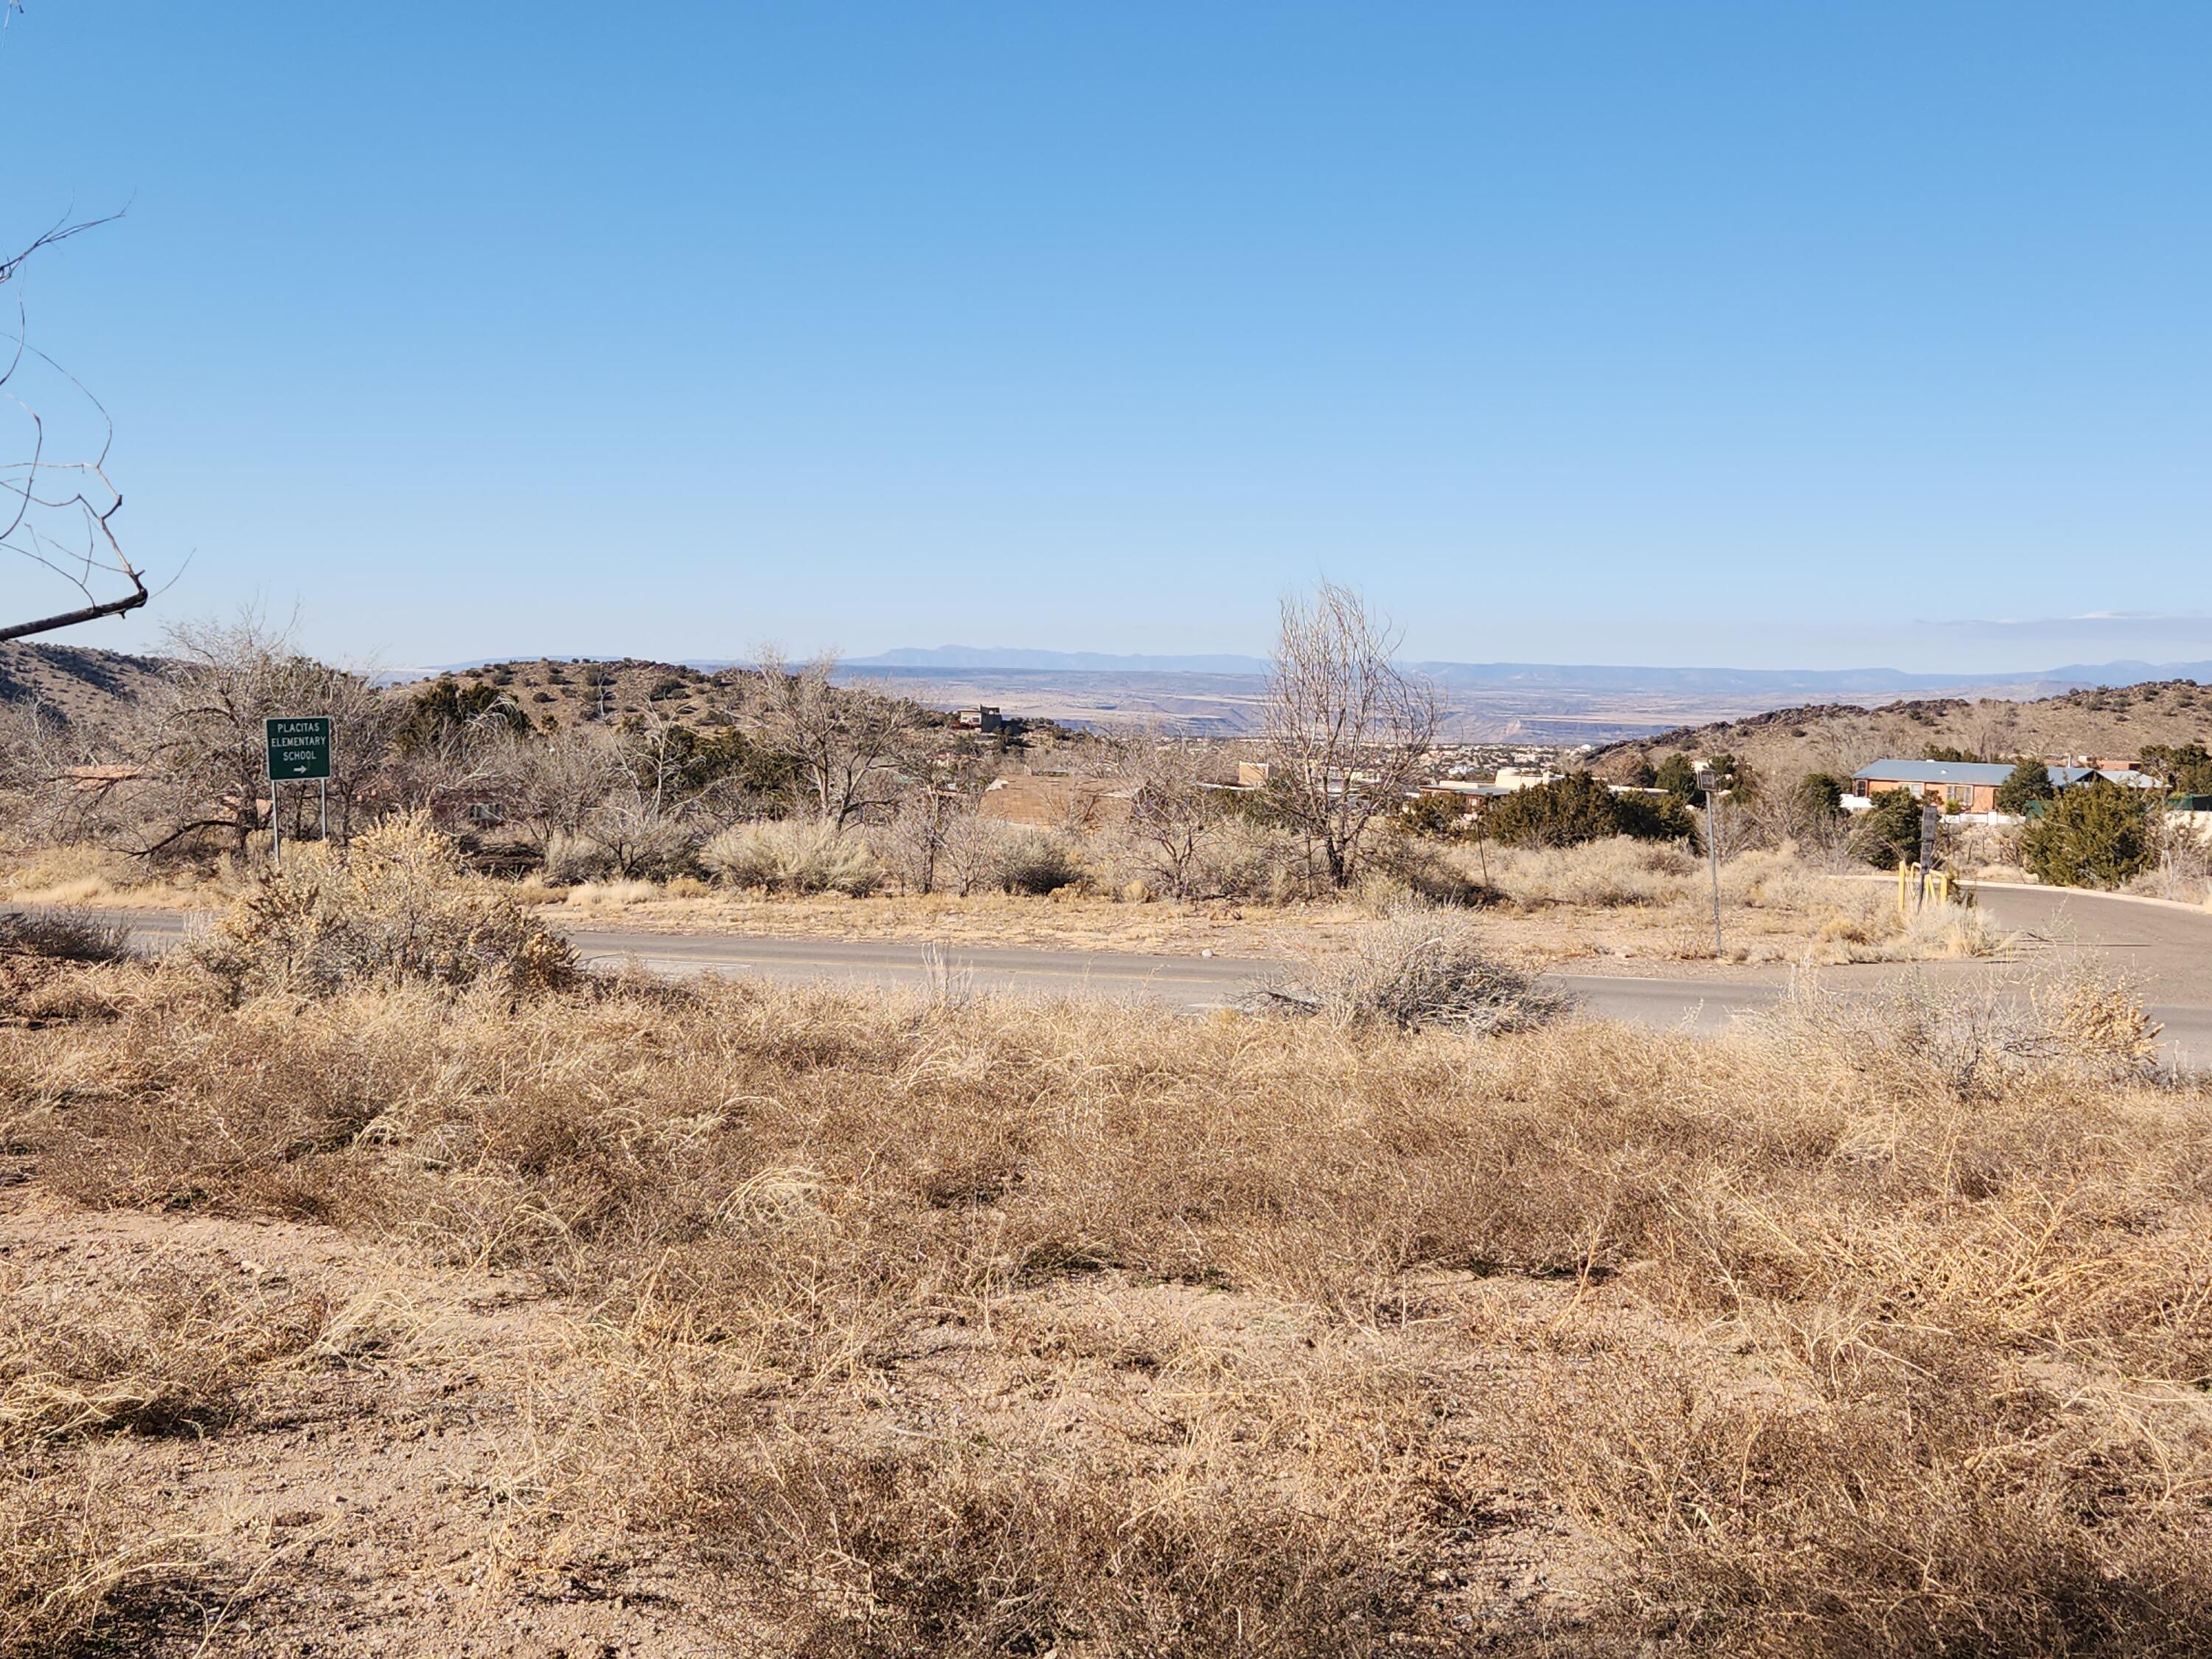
[2168,951]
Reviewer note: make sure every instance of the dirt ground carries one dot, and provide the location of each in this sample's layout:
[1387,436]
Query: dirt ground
[396,1488]
[362,1500]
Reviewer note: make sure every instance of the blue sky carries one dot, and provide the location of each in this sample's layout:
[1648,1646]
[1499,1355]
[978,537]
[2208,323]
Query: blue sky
[1755,334]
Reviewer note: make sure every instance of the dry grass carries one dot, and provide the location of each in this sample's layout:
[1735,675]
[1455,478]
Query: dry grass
[595,895]
[969,1328]
[71,934]
[396,906]
[36,873]
[1419,966]
[1620,897]
[160,1352]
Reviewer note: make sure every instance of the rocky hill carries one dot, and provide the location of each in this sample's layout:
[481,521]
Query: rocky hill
[83,685]
[2109,722]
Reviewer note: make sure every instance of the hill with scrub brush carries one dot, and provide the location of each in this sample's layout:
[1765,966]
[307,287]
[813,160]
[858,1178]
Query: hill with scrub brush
[2108,722]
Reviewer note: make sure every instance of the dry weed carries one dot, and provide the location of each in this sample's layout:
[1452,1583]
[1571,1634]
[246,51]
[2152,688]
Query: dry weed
[397,905]
[969,1327]
[161,1352]
[1419,966]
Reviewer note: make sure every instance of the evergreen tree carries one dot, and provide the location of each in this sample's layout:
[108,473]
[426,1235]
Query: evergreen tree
[1677,777]
[2029,781]
[2095,835]
[1889,831]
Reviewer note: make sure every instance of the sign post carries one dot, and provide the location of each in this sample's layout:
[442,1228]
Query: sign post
[1709,780]
[1931,821]
[299,749]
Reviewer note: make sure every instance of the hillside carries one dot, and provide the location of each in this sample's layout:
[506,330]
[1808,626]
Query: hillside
[85,685]
[2112,722]
[553,692]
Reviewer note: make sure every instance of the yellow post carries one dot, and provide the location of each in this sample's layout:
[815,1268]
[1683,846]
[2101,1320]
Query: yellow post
[1902,870]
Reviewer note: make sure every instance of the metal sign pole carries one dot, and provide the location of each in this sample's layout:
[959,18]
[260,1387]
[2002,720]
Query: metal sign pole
[1927,823]
[1711,783]
[299,748]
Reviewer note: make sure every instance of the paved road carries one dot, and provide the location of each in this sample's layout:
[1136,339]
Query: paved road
[2169,952]
[2167,949]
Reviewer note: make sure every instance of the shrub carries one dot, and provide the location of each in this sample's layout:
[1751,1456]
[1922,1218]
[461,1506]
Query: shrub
[1564,812]
[792,858]
[640,844]
[1579,807]
[64,934]
[2029,780]
[2184,768]
[1442,817]
[1648,818]
[571,860]
[1415,867]
[1421,967]
[1678,776]
[1974,1040]
[1889,831]
[1819,794]
[1037,861]
[449,706]
[2097,835]
[1243,858]
[1610,874]
[398,905]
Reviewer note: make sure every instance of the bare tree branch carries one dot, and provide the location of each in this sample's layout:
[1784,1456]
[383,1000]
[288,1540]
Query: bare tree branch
[61,524]
[1347,730]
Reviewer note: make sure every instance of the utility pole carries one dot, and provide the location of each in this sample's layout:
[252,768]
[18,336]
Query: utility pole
[1709,780]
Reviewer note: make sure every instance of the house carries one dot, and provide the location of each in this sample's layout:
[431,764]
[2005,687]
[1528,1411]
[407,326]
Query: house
[1965,786]
[1472,797]
[1510,778]
[981,718]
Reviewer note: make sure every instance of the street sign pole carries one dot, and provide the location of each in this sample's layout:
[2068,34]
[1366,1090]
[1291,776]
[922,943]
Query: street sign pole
[1930,818]
[299,749]
[1710,782]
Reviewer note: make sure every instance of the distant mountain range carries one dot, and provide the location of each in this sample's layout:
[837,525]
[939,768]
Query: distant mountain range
[1788,682]
[969,656]
[1537,703]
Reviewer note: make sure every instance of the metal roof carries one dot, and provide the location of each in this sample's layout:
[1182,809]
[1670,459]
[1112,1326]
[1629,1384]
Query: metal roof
[1983,772]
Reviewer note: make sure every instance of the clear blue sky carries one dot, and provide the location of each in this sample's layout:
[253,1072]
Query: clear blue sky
[1757,333]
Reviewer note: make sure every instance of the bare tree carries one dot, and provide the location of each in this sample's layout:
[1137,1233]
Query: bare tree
[202,745]
[57,506]
[851,747]
[561,779]
[1172,810]
[51,785]
[1346,728]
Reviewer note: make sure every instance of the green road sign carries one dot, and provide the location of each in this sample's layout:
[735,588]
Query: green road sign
[299,746]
